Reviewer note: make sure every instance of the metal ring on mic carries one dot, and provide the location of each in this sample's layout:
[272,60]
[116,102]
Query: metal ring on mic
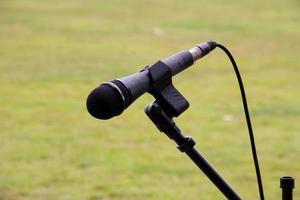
[118,90]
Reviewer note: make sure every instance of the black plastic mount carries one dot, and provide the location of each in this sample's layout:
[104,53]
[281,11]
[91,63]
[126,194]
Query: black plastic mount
[164,92]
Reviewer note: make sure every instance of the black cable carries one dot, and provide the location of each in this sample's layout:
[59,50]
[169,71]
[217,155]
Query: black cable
[251,135]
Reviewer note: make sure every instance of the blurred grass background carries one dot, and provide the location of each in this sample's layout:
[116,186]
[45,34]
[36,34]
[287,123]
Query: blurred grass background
[54,52]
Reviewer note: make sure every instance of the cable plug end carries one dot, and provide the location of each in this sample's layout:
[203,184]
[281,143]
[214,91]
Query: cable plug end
[202,49]
[207,47]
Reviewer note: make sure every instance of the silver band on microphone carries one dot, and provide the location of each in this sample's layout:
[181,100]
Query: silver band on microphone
[119,91]
[196,53]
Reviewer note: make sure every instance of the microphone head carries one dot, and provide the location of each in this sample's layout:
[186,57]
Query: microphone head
[105,101]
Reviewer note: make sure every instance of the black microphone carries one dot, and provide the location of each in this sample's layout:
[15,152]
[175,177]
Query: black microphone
[111,98]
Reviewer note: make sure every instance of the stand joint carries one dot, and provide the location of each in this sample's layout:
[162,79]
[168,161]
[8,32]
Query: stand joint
[187,145]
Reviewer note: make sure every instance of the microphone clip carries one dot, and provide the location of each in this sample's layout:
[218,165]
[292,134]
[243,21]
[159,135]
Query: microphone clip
[163,90]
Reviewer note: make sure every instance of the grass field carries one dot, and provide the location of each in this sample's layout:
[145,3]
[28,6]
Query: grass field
[54,52]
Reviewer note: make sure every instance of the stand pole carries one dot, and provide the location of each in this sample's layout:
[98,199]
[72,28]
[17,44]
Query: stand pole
[287,185]
[186,144]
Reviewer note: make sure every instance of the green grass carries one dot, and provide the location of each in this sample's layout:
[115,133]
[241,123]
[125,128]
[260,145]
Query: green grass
[54,52]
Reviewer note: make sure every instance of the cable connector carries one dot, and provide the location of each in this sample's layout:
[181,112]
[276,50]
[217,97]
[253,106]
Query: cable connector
[207,47]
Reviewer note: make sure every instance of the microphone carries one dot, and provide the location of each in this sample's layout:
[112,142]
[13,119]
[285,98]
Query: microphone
[112,98]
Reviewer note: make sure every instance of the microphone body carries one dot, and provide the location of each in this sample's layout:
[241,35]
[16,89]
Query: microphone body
[111,98]
[140,82]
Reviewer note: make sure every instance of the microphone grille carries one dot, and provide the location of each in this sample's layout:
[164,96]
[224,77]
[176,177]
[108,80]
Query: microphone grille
[108,100]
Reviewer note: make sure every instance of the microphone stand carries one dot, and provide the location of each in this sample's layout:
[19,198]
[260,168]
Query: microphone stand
[170,103]
[186,144]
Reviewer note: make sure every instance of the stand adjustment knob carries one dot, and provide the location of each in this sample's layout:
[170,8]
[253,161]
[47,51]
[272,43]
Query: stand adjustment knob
[187,145]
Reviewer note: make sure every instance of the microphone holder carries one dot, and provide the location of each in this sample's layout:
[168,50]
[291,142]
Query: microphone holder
[170,103]
[163,90]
